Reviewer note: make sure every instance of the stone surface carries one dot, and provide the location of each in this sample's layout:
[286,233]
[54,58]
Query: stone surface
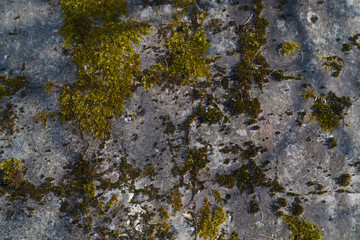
[139,135]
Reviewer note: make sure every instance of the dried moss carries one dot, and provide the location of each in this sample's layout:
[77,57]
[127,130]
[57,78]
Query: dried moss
[254,206]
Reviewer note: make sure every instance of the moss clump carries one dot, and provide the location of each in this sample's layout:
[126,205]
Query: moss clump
[41,116]
[346,47]
[310,94]
[163,213]
[12,171]
[254,206]
[333,64]
[234,236]
[7,120]
[332,142]
[100,38]
[11,85]
[296,208]
[208,220]
[213,116]
[185,60]
[196,160]
[243,103]
[150,171]
[354,40]
[217,194]
[289,47]
[301,229]
[344,180]
[246,178]
[328,110]
[175,201]
[279,203]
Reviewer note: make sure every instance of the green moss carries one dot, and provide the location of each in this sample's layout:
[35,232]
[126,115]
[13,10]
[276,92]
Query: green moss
[11,85]
[288,48]
[246,178]
[208,220]
[196,160]
[163,213]
[344,180]
[174,198]
[314,19]
[217,194]
[150,171]
[346,47]
[296,209]
[279,203]
[328,110]
[12,171]
[100,38]
[354,40]
[310,94]
[333,64]
[213,116]
[332,142]
[301,229]
[41,116]
[234,236]
[254,206]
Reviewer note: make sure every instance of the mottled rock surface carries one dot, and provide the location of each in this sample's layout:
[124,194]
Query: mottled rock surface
[295,155]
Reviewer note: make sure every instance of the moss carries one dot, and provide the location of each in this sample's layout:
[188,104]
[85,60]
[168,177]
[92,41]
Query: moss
[279,203]
[354,40]
[346,47]
[333,64]
[12,171]
[208,220]
[196,160]
[11,85]
[217,194]
[296,209]
[234,236]
[300,118]
[163,213]
[254,206]
[344,179]
[41,116]
[7,120]
[185,60]
[314,19]
[332,142]
[309,94]
[288,48]
[112,201]
[213,116]
[150,171]
[328,110]
[100,37]
[301,229]
[174,198]
[246,178]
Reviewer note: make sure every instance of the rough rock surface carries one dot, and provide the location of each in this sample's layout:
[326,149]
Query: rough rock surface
[29,34]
